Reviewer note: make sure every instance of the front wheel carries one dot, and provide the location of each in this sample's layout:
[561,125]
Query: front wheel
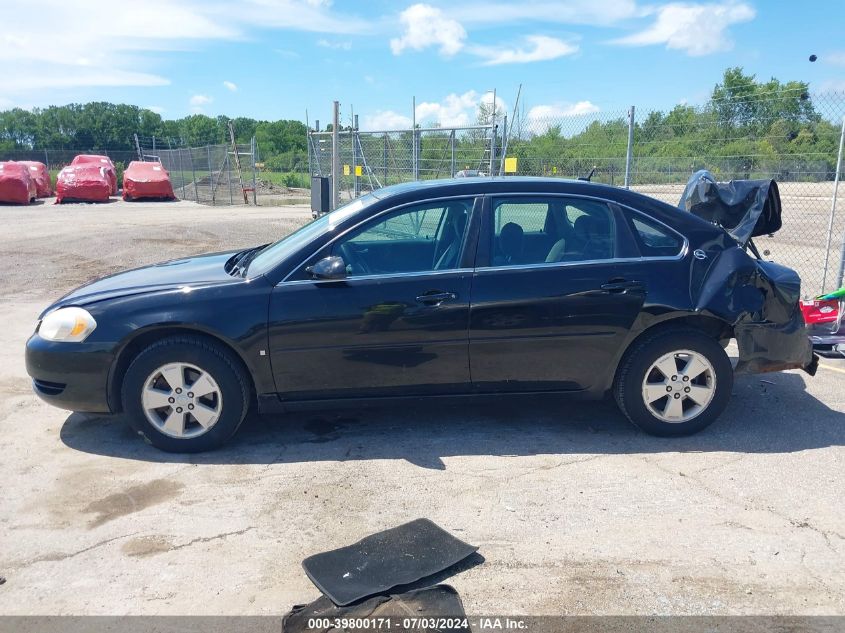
[674,382]
[185,394]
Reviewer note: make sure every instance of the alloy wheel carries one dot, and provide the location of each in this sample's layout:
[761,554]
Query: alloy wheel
[679,386]
[182,400]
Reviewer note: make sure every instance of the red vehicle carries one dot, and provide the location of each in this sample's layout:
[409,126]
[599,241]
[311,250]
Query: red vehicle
[16,185]
[824,325]
[100,161]
[84,183]
[146,180]
[41,176]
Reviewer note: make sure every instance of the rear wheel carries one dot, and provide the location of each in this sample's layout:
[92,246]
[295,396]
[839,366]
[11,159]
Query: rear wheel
[674,382]
[185,394]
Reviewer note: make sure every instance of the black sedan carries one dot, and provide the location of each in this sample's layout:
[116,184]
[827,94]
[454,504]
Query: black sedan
[468,286]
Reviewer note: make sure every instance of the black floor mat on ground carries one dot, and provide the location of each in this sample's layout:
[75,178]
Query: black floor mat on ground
[417,608]
[373,565]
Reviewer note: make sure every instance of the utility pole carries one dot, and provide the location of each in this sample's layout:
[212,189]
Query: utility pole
[355,155]
[335,156]
[415,164]
[630,154]
[841,274]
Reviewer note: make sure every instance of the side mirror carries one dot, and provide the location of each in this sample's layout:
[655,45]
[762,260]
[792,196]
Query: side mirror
[328,268]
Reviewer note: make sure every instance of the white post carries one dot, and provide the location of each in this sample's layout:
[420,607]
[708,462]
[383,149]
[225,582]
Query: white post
[493,128]
[415,165]
[832,215]
[630,154]
[335,156]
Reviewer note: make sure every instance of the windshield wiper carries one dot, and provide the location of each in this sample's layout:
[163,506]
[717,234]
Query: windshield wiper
[236,262]
[241,264]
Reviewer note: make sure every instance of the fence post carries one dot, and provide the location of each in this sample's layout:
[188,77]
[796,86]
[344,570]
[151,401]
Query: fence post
[493,130]
[832,214]
[414,159]
[384,163]
[229,178]
[630,154]
[254,150]
[452,144]
[309,139]
[335,156]
[354,135]
[504,151]
[46,160]
[181,171]
[194,175]
[210,176]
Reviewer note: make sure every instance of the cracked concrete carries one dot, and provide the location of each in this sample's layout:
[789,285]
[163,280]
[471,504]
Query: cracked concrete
[574,510]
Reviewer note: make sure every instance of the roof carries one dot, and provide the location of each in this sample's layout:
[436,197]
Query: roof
[422,189]
[486,184]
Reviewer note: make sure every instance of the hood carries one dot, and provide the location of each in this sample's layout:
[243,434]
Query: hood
[744,208]
[190,271]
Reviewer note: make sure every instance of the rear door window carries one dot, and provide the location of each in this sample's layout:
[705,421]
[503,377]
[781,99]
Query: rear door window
[537,230]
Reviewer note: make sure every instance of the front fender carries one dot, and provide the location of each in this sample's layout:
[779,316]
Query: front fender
[235,316]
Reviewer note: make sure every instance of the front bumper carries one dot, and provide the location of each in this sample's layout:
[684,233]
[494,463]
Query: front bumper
[827,344]
[71,376]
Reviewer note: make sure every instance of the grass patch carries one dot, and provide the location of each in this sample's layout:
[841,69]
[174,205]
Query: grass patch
[286,179]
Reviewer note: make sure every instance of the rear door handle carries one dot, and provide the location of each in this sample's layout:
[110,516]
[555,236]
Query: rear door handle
[621,286]
[436,298]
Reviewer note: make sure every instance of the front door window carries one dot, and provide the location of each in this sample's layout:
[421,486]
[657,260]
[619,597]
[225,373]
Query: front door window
[422,238]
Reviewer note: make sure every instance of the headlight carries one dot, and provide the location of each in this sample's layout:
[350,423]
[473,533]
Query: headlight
[69,325]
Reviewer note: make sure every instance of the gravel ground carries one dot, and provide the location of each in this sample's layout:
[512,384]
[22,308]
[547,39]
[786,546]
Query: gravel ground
[574,511]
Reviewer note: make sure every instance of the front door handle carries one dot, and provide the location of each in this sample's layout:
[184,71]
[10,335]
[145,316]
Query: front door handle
[621,285]
[435,298]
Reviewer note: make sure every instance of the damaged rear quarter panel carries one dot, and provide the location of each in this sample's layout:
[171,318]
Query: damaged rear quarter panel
[760,301]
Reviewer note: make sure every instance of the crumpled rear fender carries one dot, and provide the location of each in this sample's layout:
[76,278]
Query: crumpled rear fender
[759,300]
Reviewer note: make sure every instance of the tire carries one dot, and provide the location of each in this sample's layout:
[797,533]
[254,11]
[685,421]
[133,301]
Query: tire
[152,404]
[691,402]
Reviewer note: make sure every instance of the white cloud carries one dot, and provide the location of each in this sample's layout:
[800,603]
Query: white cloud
[558,110]
[592,12]
[454,110]
[15,81]
[540,48]
[836,58]
[541,117]
[833,85]
[386,120]
[697,29]
[230,86]
[369,79]
[487,99]
[198,101]
[343,46]
[426,26]
[155,108]
[71,46]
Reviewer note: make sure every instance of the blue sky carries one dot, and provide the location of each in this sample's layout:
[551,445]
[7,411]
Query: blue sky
[272,59]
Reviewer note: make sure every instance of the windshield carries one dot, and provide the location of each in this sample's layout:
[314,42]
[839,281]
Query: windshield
[275,253]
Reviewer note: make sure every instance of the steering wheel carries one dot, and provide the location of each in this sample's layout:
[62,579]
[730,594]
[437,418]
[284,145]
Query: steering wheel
[353,259]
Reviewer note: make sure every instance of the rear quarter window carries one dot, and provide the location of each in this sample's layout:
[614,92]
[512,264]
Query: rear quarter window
[654,239]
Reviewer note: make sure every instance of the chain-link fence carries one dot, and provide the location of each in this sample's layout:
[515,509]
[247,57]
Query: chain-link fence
[212,174]
[373,159]
[790,136]
[55,159]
